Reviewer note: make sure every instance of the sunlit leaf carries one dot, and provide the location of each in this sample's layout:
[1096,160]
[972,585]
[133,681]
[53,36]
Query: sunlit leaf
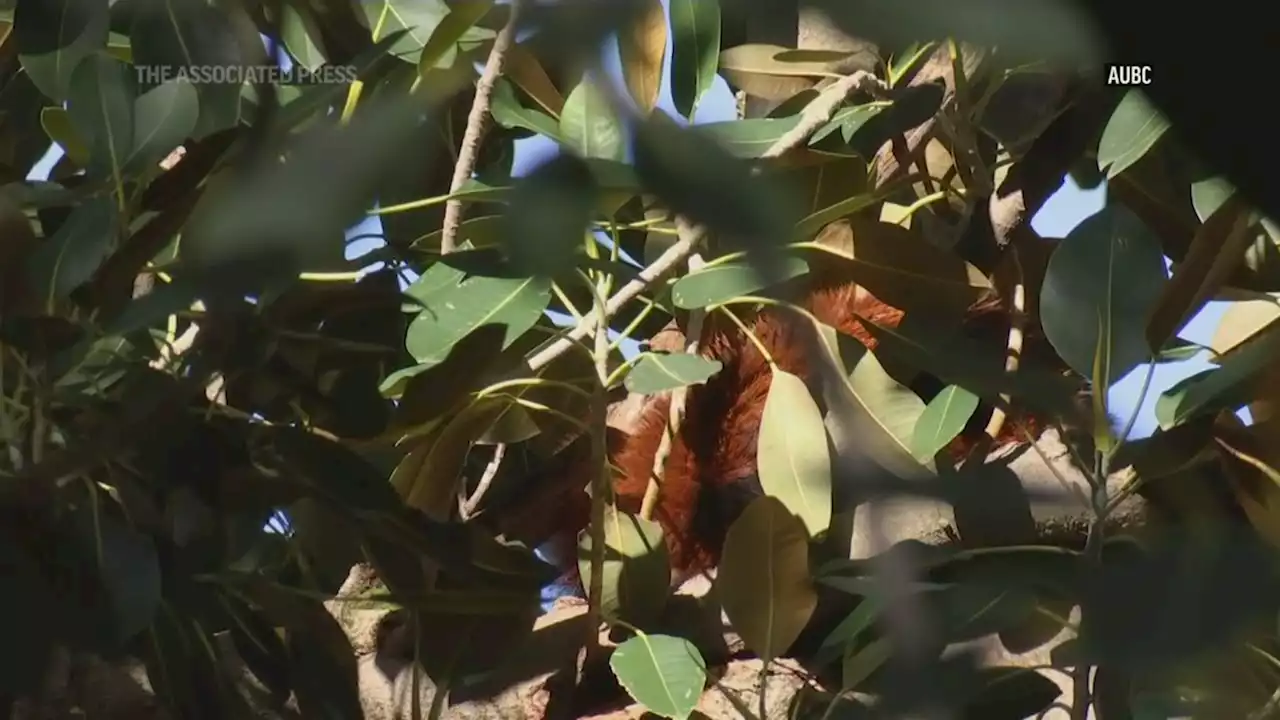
[791,454]
[665,674]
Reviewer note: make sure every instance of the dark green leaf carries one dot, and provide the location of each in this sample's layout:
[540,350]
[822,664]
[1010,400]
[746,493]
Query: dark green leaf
[435,390]
[695,51]
[545,226]
[163,118]
[170,36]
[1101,284]
[69,258]
[54,36]
[101,108]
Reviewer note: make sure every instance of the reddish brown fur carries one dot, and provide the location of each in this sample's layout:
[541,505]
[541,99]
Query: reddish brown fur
[716,446]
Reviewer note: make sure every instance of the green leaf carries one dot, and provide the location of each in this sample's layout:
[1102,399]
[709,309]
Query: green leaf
[185,35]
[1101,284]
[703,182]
[849,121]
[589,126]
[1208,195]
[763,580]
[849,630]
[69,258]
[665,674]
[695,51]
[453,312]
[431,391]
[545,226]
[1226,387]
[290,217]
[101,108]
[721,283]
[164,117]
[942,420]
[792,457]
[749,138]
[130,572]
[297,32]
[881,412]
[509,113]
[1132,131]
[459,24]
[418,19]
[57,125]
[637,570]
[54,36]
[659,372]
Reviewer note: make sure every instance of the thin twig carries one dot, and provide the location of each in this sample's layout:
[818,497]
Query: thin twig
[675,414]
[820,110]
[599,482]
[477,125]
[486,479]
[814,116]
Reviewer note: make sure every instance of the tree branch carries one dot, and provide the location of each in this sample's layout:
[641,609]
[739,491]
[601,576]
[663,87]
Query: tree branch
[477,126]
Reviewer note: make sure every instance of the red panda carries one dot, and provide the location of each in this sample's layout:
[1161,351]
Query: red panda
[710,474]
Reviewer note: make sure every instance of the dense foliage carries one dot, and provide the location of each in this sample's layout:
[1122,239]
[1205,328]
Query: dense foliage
[186,353]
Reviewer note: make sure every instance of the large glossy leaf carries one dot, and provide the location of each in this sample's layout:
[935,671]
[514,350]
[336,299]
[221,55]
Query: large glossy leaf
[101,107]
[172,35]
[695,52]
[637,570]
[1132,131]
[1101,284]
[878,412]
[589,126]
[298,36]
[453,312]
[58,126]
[658,372]
[63,262]
[163,118]
[791,453]
[458,26]
[665,674]
[642,47]
[763,580]
[54,36]
[726,281]
[942,420]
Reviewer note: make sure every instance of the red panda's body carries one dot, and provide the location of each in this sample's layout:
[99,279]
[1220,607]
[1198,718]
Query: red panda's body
[710,474]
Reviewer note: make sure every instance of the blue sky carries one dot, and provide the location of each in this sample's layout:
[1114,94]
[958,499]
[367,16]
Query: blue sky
[1066,209]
